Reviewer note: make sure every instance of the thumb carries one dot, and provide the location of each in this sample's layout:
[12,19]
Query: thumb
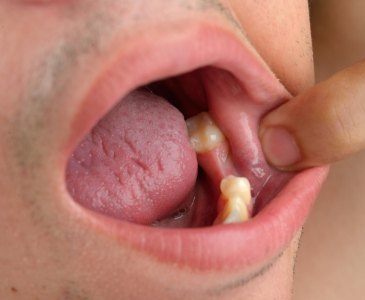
[325,124]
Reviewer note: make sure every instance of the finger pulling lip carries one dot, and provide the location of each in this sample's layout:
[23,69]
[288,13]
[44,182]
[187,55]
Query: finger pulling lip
[212,248]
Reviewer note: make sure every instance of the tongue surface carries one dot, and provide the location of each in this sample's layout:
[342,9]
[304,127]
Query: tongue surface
[136,164]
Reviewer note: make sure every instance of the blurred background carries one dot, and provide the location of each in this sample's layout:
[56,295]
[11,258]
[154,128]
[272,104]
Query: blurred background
[331,257]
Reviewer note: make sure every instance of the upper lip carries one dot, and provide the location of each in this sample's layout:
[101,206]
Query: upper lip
[219,247]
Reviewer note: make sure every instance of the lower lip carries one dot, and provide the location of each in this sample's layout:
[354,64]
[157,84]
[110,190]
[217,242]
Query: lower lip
[224,247]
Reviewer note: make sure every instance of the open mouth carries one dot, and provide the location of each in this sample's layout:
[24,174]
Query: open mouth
[132,167]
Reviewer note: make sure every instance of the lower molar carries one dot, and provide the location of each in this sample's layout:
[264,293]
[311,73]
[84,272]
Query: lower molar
[235,200]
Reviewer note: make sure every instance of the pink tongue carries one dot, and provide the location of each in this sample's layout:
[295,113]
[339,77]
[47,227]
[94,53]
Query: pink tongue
[137,163]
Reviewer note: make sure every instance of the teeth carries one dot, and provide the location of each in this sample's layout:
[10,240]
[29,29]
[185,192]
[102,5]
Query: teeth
[204,133]
[234,200]
[236,187]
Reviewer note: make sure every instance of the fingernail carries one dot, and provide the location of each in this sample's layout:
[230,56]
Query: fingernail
[280,147]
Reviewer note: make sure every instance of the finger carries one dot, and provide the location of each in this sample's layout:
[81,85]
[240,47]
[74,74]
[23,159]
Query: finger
[323,125]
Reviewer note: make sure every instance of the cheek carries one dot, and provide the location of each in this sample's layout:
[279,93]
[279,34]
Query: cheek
[280,31]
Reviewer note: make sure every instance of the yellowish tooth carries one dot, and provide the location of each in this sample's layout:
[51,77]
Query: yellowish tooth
[234,200]
[233,186]
[204,133]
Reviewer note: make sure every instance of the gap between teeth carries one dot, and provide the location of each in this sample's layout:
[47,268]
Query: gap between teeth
[235,198]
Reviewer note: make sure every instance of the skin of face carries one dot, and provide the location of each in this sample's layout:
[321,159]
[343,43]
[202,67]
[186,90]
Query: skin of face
[50,51]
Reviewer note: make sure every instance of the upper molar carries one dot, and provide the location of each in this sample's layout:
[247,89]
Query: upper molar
[204,133]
